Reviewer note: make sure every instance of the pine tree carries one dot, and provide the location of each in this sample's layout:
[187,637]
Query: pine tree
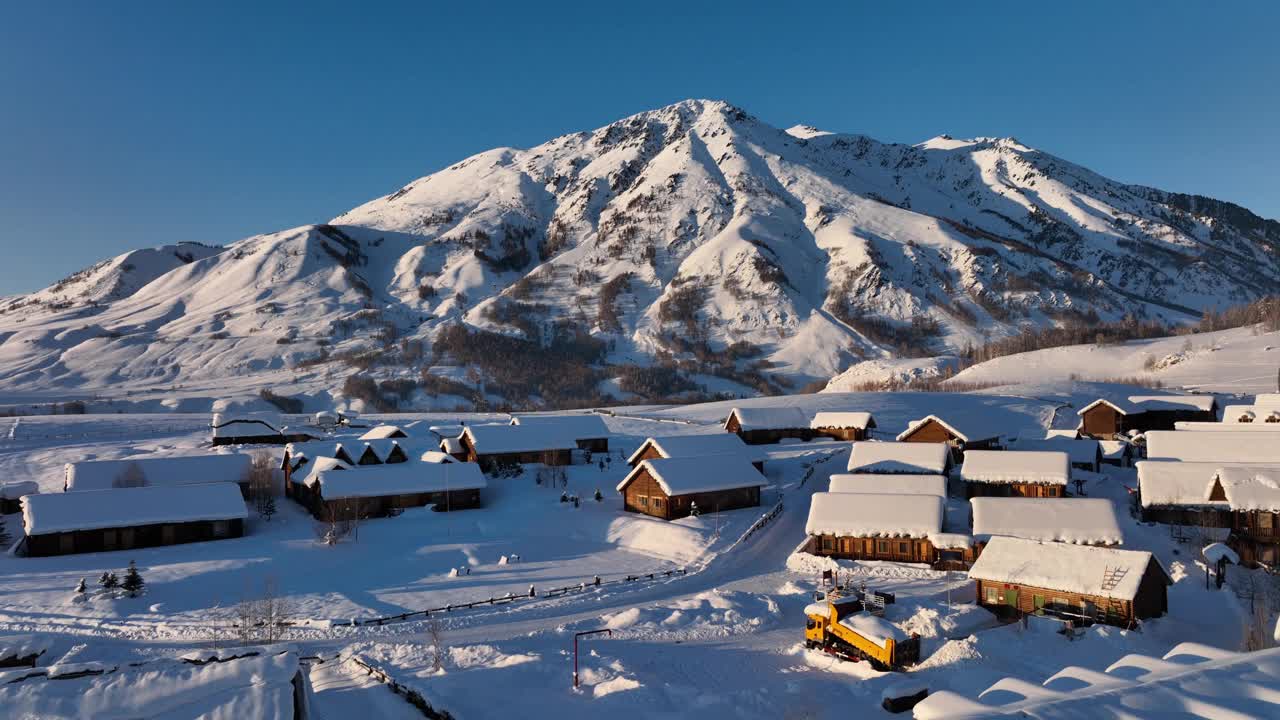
[80,588]
[266,507]
[109,581]
[133,582]
[599,495]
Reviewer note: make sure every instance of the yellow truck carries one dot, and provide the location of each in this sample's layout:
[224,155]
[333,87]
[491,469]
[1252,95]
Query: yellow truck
[845,628]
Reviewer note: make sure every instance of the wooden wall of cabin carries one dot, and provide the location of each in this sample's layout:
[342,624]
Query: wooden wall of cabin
[1013,598]
[1030,490]
[127,538]
[915,550]
[848,434]
[1101,422]
[639,496]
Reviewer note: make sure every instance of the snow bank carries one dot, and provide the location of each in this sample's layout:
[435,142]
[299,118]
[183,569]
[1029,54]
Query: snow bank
[131,507]
[1016,466]
[157,471]
[869,515]
[899,457]
[1062,566]
[1086,521]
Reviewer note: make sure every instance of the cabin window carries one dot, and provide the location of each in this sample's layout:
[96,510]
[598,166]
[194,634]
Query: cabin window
[828,543]
[1037,601]
[643,501]
[904,548]
[882,547]
[221,528]
[993,596]
[1264,520]
[1053,492]
[658,504]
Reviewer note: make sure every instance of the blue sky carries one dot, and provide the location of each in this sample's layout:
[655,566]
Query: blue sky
[131,124]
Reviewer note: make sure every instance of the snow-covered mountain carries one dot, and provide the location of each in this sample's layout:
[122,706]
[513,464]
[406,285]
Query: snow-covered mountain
[693,241]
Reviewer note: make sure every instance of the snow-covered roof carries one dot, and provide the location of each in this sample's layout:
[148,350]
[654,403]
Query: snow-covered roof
[399,479]
[966,429]
[876,629]
[1136,404]
[1016,466]
[1229,424]
[260,686]
[1214,552]
[384,432]
[1069,433]
[950,541]
[720,443]
[1191,680]
[499,439]
[1082,451]
[1165,482]
[246,424]
[1267,400]
[899,457]
[830,419]
[1228,446]
[870,515]
[451,445]
[447,431]
[770,418]
[156,471]
[1250,488]
[14,489]
[1113,449]
[436,456]
[1099,571]
[1087,521]
[577,426]
[129,507]
[319,465]
[889,484]
[698,474]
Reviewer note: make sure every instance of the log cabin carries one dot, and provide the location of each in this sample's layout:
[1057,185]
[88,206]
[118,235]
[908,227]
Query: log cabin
[1181,493]
[298,456]
[767,425]
[1083,583]
[587,430]
[497,446]
[865,526]
[670,446]
[960,437]
[1228,446]
[253,429]
[131,517]
[672,488]
[848,426]
[452,446]
[1109,419]
[1117,453]
[899,458]
[1083,521]
[935,485]
[149,471]
[1240,501]
[1084,453]
[334,492]
[1253,495]
[11,493]
[1015,473]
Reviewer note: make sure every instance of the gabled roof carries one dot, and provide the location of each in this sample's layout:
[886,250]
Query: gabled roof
[1086,569]
[899,457]
[437,456]
[1168,483]
[131,507]
[318,465]
[833,419]
[246,424]
[718,443]
[706,473]
[1228,446]
[1250,488]
[889,484]
[1114,449]
[384,432]
[769,418]
[577,426]
[1086,521]
[968,430]
[156,471]
[874,515]
[451,445]
[1136,404]
[500,439]
[399,479]
[1016,466]
[1081,451]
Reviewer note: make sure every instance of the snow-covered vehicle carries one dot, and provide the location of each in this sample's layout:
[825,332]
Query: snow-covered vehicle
[846,628]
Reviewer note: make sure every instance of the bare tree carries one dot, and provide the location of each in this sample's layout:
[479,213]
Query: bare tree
[262,617]
[131,476]
[261,479]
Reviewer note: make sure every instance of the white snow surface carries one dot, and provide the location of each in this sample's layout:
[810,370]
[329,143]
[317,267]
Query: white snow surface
[876,629]
[14,489]
[1084,521]
[1169,483]
[405,478]
[874,515]
[717,443]
[1016,466]
[906,458]
[579,426]
[158,471]
[842,419]
[1081,451]
[1062,566]
[1228,446]
[496,439]
[889,484]
[129,507]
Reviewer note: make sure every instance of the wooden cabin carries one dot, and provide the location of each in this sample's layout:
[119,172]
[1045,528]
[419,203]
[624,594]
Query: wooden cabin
[672,488]
[1181,493]
[341,493]
[1082,583]
[960,438]
[587,430]
[1253,495]
[767,425]
[1015,473]
[1083,521]
[1117,453]
[452,446]
[900,458]
[862,526]
[671,446]
[848,426]
[253,429]
[131,517]
[497,446]
[298,456]
[11,495]
[158,471]
[1242,501]
[1109,419]
[1084,453]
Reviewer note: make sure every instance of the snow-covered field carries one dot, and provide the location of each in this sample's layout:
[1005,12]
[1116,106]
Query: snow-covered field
[721,640]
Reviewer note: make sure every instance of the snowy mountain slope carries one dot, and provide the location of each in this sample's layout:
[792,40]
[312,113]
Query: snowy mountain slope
[694,230]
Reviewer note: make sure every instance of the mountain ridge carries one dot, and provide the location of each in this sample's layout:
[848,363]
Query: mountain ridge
[694,237]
